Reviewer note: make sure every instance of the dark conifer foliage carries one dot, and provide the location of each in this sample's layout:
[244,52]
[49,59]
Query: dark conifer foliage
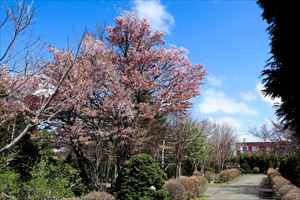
[281,76]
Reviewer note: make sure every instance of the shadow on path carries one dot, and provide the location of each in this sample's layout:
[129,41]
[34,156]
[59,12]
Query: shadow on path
[247,187]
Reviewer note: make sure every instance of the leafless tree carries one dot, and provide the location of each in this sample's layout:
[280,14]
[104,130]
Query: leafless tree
[283,140]
[185,140]
[222,138]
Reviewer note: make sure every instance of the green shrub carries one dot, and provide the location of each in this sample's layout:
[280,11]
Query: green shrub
[245,168]
[52,178]
[262,161]
[290,169]
[8,183]
[48,178]
[141,178]
[187,168]
[208,168]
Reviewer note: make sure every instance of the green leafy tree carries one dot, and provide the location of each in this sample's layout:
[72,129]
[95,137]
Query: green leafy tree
[199,149]
[141,178]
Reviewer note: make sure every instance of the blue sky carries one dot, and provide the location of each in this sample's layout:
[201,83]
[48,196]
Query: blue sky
[228,37]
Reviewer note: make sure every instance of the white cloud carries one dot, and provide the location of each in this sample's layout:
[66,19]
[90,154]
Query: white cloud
[156,14]
[235,123]
[248,96]
[214,80]
[259,88]
[217,101]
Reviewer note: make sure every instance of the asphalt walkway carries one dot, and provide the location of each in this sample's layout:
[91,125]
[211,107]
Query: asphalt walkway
[247,187]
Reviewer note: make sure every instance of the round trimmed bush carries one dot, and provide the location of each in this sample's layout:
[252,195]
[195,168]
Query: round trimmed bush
[192,186]
[203,183]
[245,168]
[98,196]
[272,173]
[141,178]
[176,190]
[256,170]
[227,175]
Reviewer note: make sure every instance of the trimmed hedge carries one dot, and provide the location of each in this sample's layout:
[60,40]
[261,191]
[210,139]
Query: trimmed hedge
[94,195]
[282,187]
[186,187]
[227,175]
[98,196]
[177,190]
[203,183]
[262,161]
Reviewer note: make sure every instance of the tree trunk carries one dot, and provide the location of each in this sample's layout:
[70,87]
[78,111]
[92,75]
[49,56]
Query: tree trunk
[115,170]
[202,166]
[108,170]
[178,169]
[163,154]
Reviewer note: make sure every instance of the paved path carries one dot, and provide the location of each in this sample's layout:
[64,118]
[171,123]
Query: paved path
[247,187]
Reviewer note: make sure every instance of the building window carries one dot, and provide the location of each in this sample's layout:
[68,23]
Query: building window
[269,149]
[244,149]
[254,148]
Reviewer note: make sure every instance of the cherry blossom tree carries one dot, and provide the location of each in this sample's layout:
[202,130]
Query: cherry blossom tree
[101,97]
[18,68]
[162,79]
[142,81]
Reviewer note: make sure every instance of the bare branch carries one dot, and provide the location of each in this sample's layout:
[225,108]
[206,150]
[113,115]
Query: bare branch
[35,121]
[21,20]
[17,139]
